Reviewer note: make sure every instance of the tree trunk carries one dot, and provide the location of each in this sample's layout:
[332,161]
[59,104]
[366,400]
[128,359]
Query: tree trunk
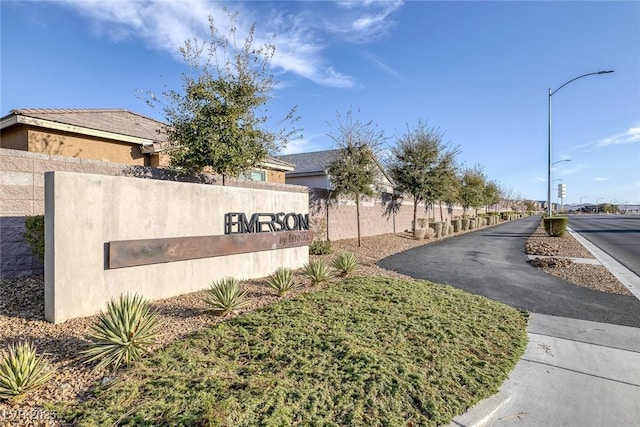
[358,217]
[415,215]
[441,214]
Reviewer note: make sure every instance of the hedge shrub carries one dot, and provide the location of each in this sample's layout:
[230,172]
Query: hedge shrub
[34,235]
[555,226]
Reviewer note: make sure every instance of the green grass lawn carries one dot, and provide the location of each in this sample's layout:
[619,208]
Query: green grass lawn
[364,352]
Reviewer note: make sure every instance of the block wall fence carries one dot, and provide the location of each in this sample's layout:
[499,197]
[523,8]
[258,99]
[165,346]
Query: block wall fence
[337,219]
[22,194]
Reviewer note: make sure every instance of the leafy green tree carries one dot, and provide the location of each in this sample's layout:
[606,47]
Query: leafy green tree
[422,165]
[472,188]
[218,121]
[452,190]
[530,205]
[447,181]
[354,171]
[491,194]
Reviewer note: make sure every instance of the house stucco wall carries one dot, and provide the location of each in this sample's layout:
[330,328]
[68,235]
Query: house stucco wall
[66,144]
[275,176]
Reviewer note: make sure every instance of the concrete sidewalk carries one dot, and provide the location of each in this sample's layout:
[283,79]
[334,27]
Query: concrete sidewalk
[573,373]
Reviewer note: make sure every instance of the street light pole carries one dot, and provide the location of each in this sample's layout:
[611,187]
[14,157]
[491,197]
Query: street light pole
[550,94]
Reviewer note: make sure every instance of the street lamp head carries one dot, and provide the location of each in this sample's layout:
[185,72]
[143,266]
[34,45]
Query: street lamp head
[549,164]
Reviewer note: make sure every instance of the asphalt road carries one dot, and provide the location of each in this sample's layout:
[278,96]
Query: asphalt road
[617,235]
[491,262]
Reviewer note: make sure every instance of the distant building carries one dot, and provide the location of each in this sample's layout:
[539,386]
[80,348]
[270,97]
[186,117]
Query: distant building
[113,135]
[312,170]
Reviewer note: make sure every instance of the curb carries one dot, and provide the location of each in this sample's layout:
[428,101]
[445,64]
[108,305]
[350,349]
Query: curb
[591,261]
[627,277]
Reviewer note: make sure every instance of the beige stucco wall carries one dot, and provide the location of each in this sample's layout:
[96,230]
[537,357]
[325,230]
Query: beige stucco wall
[160,160]
[275,176]
[83,146]
[83,212]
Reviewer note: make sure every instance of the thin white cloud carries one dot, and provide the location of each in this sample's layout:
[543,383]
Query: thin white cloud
[629,136]
[300,36]
[163,25]
[566,169]
[306,144]
[364,20]
[380,64]
[600,179]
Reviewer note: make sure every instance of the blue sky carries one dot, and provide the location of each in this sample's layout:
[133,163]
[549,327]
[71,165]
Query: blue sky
[479,71]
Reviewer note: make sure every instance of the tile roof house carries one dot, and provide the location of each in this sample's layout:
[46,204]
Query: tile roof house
[113,135]
[311,169]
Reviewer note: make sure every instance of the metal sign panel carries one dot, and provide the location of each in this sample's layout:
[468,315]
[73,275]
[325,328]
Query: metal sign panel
[131,253]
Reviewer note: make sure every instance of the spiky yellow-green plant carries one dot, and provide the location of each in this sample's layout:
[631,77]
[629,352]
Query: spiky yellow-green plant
[226,295]
[21,370]
[282,281]
[346,263]
[123,333]
[317,271]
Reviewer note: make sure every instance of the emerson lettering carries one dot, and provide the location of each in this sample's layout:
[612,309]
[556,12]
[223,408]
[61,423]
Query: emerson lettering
[237,222]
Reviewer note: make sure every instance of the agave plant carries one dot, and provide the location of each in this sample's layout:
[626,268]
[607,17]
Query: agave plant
[282,281]
[123,333]
[21,371]
[317,271]
[226,296]
[346,263]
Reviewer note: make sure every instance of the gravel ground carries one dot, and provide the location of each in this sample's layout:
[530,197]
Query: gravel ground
[590,276]
[22,318]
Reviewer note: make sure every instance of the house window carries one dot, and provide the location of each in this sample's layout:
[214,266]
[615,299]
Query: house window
[254,175]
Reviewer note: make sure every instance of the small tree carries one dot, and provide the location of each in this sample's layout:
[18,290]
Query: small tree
[530,205]
[421,165]
[218,121]
[453,184]
[354,170]
[491,193]
[472,188]
[447,182]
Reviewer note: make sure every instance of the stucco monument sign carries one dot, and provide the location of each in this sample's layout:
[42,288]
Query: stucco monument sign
[108,235]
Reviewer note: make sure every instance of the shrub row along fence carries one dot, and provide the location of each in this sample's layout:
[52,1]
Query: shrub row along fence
[22,195]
